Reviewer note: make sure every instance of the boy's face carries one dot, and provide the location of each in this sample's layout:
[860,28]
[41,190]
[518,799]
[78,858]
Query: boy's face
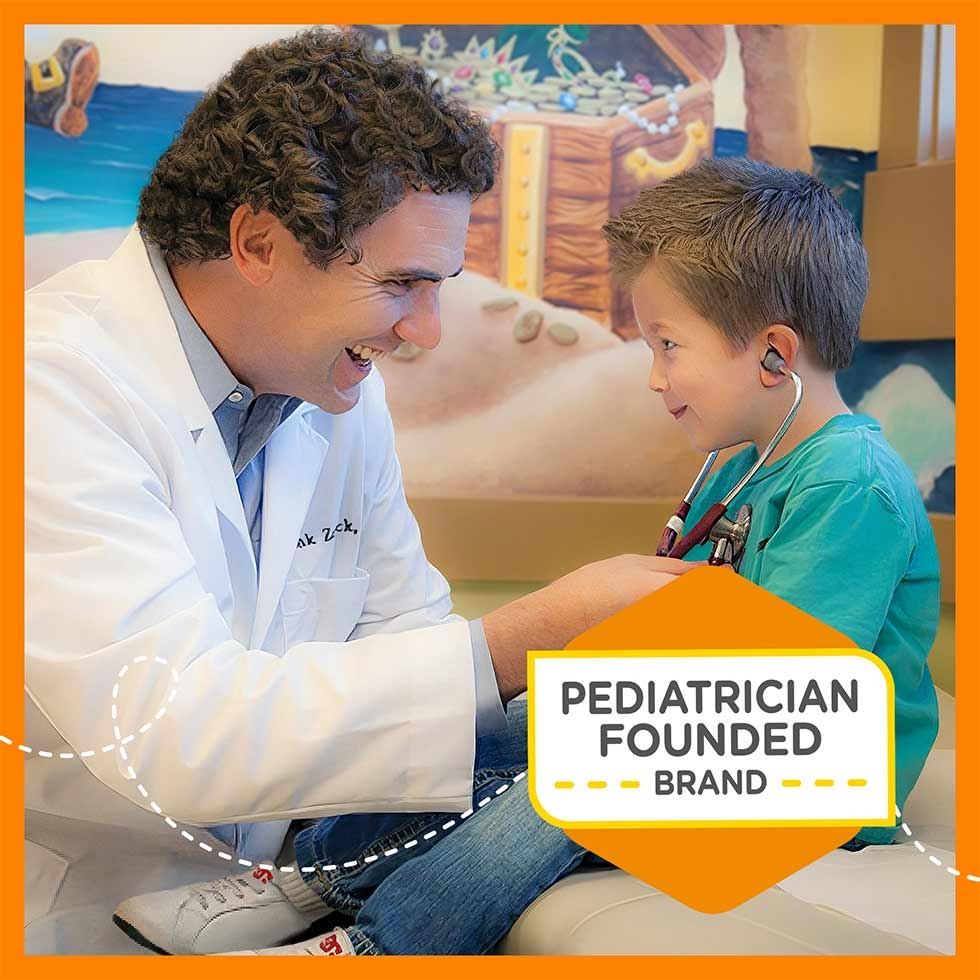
[712,391]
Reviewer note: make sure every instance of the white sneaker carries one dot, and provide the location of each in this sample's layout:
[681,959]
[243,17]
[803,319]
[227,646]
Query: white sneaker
[334,943]
[251,909]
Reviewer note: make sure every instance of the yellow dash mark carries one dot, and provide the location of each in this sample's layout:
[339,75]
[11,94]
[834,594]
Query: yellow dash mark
[857,782]
[791,782]
[596,784]
[564,785]
[823,782]
[630,784]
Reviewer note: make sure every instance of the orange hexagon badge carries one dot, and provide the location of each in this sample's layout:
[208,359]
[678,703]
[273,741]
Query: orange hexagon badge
[711,739]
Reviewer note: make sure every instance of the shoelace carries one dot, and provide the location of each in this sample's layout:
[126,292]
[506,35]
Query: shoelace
[229,884]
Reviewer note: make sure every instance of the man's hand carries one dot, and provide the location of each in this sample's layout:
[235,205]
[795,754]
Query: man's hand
[551,617]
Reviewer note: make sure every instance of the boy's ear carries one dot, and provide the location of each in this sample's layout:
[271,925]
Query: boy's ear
[786,342]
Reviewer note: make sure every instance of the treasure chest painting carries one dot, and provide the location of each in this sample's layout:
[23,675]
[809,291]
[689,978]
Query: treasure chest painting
[586,116]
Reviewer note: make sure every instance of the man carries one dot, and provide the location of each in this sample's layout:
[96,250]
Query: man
[230,618]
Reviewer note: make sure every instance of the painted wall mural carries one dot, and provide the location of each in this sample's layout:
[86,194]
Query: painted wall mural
[539,384]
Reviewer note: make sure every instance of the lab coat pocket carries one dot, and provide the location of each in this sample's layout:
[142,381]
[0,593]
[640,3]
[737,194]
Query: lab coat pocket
[323,608]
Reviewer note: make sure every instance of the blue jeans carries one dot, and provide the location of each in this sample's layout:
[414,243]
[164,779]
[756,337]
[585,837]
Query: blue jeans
[444,891]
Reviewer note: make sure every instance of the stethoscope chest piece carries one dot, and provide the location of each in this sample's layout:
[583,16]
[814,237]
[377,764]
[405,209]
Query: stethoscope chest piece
[729,538]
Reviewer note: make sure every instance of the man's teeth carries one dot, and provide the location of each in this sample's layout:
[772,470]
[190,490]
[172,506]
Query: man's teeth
[366,353]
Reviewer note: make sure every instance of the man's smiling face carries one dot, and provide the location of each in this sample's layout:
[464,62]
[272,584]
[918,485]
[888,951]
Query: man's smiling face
[320,330]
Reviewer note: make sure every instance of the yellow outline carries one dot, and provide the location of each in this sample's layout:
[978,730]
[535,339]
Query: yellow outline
[533,655]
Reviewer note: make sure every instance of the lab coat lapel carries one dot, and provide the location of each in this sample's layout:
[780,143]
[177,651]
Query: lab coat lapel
[293,461]
[133,296]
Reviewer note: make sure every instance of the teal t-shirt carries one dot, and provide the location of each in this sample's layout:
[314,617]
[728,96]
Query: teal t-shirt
[840,531]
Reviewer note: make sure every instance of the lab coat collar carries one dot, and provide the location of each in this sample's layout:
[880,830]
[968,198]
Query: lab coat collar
[132,290]
[146,329]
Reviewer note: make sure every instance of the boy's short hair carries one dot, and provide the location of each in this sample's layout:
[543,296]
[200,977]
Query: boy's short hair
[322,131]
[747,244]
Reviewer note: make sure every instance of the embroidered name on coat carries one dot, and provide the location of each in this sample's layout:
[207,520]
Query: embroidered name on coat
[326,534]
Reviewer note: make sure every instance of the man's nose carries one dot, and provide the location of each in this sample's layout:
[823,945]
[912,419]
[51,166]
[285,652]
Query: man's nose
[422,325]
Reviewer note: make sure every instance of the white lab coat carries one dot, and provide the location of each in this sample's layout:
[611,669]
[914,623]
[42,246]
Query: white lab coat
[332,679]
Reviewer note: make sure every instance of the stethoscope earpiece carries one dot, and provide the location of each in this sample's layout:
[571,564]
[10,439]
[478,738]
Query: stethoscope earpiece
[773,362]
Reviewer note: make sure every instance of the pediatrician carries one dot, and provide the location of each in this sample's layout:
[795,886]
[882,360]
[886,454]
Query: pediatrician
[230,617]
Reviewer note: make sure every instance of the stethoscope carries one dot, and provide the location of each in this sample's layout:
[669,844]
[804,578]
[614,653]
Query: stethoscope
[729,536]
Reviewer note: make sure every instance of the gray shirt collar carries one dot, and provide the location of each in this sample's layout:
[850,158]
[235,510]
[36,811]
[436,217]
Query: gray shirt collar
[211,373]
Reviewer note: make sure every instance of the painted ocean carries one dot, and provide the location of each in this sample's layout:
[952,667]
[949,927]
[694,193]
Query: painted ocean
[95,181]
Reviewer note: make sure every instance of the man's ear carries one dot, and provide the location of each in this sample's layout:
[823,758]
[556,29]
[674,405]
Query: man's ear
[252,240]
[786,342]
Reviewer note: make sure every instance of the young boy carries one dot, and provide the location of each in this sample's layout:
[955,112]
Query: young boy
[727,262]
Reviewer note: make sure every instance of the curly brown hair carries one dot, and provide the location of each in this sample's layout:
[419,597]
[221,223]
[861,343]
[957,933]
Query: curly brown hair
[322,132]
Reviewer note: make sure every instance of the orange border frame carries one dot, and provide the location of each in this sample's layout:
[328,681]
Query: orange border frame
[14,14]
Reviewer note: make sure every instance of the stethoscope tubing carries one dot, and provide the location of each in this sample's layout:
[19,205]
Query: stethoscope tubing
[774,441]
[675,526]
[669,545]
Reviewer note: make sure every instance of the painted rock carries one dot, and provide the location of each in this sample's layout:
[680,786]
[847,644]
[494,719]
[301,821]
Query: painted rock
[563,333]
[528,326]
[499,305]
